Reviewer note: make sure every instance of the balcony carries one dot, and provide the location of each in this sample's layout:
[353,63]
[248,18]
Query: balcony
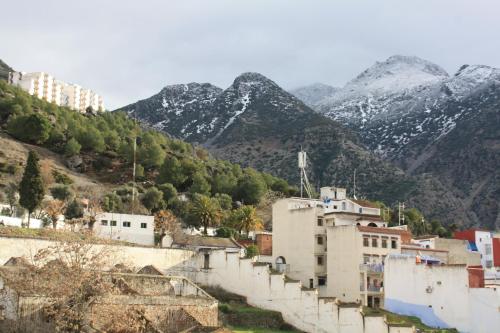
[371,268]
[372,288]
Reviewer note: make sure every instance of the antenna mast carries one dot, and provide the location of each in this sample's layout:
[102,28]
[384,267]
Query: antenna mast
[304,182]
[133,167]
[354,194]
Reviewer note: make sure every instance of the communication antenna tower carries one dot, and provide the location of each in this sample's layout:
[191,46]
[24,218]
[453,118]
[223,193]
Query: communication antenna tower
[304,182]
[354,187]
[401,213]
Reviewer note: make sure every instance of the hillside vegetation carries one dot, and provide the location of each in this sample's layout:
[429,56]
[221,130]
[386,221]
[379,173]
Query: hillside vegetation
[101,147]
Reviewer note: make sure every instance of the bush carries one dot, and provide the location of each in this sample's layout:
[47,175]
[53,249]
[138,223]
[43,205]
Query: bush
[226,232]
[251,251]
[61,178]
[72,148]
[33,128]
[61,192]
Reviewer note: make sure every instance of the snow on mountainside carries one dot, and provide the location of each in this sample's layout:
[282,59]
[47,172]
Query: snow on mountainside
[181,110]
[314,93]
[411,112]
[403,100]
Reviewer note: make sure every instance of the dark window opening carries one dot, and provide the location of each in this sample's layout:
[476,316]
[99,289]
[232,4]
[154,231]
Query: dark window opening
[206,261]
[321,280]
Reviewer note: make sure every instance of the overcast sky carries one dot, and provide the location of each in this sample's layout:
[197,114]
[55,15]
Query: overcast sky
[128,50]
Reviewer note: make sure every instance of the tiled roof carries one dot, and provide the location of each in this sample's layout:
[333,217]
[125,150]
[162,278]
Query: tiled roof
[204,241]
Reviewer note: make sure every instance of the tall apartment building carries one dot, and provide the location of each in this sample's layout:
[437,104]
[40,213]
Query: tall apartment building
[45,86]
[321,243]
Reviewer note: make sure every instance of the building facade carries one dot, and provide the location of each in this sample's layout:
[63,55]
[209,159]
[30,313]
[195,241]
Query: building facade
[138,229]
[307,244]
[46,87]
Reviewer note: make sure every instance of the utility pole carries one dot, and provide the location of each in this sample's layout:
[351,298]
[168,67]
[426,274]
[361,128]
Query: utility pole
[354,187]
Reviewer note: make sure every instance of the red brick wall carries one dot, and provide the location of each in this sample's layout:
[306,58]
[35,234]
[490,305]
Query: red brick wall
[265,244]
[476,276]
[469,235]
[496,252]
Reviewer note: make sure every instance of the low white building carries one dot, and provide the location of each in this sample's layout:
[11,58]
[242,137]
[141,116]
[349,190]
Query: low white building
[137,229]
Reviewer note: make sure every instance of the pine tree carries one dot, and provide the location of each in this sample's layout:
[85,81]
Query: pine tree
[31,189]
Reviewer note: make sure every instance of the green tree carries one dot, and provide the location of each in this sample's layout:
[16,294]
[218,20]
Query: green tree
[205,211]
[61,192]
[200,184]
[72,148]
[31,188]
[225,201]
[12,196]
[169,192]
[74,210]
[152,199]
[251,187]
[33,128]
[91,139]
[150,153]
[224,183]
[111,203]
[171,172]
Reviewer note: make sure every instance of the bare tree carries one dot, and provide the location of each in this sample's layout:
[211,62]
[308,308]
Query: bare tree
[166,223]
[54,209]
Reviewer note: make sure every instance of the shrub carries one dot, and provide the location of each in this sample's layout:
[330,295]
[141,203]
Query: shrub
[251,251]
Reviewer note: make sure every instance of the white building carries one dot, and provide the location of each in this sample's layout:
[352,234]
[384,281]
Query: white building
[444,296]
[137,229]
[45,86]
[302,248]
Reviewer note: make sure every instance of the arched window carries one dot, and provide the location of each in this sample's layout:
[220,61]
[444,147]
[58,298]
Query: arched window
[371,224]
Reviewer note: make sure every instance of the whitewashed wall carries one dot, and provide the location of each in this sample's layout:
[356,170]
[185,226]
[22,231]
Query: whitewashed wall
[300,308]
[440,296]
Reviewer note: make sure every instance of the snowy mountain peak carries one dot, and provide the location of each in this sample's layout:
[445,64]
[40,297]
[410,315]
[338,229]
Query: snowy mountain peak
[395,74]
[314,93]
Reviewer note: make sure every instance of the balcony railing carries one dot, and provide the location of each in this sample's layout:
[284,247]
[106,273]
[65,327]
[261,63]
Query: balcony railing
[372,268]
[371,288]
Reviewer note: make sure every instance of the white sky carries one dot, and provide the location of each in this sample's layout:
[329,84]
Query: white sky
[128,50]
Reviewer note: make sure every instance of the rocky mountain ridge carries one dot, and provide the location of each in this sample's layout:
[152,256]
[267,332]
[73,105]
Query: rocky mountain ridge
[258,124]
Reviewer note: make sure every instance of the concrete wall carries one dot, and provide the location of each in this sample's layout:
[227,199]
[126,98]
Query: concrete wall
[440,296]
[294,232]
[172,261]
[458,252]
[299,307]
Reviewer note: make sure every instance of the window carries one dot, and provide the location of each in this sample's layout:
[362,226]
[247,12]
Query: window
[104,222]
[320,222]
[360,210]
[206,261]
[384,243]
[319,259]
[144,225]
[321,280]
[343,206]
[394,243]
[126,224]
[374,242]
[366,242]
[487,249]
[334,207]
[113,223]
[319,240]
[366,259]
[489,263]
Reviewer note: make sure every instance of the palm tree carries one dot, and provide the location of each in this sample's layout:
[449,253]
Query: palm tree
[245,218]
[206,211]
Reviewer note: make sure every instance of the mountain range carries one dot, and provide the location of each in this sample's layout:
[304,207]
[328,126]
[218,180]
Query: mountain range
[397,123]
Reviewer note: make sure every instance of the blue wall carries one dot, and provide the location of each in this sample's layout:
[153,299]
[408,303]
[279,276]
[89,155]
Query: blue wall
[425,313]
